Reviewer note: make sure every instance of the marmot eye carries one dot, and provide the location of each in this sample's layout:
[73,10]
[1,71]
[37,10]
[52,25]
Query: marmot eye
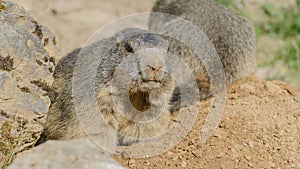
[128,47]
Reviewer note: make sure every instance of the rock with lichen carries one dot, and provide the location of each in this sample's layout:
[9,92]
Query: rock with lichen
[27,51]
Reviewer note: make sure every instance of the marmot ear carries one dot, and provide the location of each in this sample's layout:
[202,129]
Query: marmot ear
[115,48]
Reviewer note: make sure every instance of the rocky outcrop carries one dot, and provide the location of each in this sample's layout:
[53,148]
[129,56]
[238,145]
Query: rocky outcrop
[27,51]
[81,154]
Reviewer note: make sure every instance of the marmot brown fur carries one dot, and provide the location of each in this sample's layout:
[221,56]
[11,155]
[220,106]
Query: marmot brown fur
[150,89]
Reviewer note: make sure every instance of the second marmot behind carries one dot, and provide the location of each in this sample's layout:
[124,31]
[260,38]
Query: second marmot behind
[231,34]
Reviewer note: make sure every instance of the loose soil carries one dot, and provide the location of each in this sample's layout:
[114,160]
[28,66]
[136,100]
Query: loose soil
[260,128]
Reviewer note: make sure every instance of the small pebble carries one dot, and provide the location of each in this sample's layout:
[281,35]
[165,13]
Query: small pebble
[297,98]
[131,163]
[247,88]
[29,43]
[273,88]
[170,153]
[239,147]
[221,154]
[248,158]
[251,144]
[183,164]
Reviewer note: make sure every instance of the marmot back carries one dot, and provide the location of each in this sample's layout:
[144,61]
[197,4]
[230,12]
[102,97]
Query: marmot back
[232,35]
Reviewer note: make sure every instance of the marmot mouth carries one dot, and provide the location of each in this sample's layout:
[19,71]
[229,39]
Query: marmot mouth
[140,100]
[150,84]
[150,81]
[144,85]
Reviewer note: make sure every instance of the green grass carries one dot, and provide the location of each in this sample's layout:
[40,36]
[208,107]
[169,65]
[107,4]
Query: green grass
[232,4]
[226,2]
[283,24]
[290,54]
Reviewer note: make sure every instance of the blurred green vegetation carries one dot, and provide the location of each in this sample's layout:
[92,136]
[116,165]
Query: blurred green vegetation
[285,23]
[281,23]
[231,4]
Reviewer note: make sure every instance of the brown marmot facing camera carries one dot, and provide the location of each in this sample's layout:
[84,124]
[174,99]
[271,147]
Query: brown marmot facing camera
[150,88]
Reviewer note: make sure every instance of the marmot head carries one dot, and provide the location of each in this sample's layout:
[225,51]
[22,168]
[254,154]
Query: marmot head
[143,56]
[141,73]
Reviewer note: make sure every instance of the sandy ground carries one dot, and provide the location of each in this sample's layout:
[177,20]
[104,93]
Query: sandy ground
[260,127]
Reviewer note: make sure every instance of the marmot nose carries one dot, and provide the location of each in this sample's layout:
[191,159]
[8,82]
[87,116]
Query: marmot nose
[155,69]
[155,63]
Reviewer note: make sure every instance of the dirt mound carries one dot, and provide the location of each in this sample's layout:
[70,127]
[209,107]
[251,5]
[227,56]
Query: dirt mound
[259,129]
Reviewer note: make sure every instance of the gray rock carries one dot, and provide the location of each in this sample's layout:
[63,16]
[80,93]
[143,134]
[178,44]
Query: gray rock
[15,15]
[27,51]
[81,154]
[14,100]
[297,98]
